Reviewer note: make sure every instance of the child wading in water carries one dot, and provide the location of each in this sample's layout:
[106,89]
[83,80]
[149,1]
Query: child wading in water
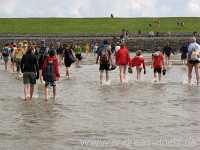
[122,59]
[104,55]
[50,72]
[158,64]
[138,62]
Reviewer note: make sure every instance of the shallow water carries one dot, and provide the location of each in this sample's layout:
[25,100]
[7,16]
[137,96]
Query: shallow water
[87,116]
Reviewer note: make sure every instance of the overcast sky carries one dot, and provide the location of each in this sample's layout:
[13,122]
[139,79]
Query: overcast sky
[98,8]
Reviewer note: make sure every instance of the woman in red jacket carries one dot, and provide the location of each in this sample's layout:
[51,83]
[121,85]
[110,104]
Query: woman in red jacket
[50,72]
[122,59]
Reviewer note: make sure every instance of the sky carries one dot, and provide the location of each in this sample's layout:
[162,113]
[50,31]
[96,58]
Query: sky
[98,8]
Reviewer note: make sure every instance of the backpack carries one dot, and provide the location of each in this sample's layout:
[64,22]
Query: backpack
[42,52]
[5,52]
[194,55]
[104,56]
[49,75]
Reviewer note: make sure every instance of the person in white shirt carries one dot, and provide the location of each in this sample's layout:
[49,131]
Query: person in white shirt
[193,59]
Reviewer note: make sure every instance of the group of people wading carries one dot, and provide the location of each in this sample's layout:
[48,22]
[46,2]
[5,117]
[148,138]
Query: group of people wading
[42,62]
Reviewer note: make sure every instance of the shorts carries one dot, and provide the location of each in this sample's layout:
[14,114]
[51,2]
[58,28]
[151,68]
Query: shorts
[5,58]
[53,84]
[193,62]
[12,59]
[105,67]
[67,63]
[78,56]
[29,78]
[183,56]
[139,69]
[158,70]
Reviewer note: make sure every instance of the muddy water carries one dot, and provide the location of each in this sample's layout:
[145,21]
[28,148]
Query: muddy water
[87,116]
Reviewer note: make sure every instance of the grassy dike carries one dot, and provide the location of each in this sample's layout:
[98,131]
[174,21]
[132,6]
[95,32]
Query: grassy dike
[97,25]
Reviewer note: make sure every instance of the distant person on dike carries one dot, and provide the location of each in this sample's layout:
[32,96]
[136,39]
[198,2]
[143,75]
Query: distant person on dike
[158,64]
[184,51]
[138,62]
[69,58]
[104,57]
[51,72]
[122,60]
[78,54]
[6,53]
[193,59]
[168,51]
[30,70]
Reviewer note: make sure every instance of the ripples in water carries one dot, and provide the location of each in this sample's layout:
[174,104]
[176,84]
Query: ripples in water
[85,111]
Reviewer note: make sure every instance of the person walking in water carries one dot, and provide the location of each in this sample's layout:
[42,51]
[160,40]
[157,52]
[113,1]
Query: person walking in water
[168,51]
[138,62]
[104,55]
[42,54]
[30,70]
[184,51]
[69,58]
[6,53]
[78,54]
[193,59]
[158,64]
[122,59]
[18,57]
[50,72]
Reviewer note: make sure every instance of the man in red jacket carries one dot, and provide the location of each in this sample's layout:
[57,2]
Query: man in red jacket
[50,72]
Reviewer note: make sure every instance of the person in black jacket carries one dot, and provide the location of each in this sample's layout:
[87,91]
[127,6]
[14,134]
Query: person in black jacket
[30,70]
[168,51]
[184,52]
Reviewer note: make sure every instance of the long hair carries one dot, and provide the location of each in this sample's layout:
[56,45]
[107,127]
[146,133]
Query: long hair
[29,50]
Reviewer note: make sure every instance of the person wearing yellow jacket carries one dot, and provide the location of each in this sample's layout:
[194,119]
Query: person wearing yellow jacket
[18,57]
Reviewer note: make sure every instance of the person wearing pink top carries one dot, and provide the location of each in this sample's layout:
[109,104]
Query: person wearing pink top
[122,59]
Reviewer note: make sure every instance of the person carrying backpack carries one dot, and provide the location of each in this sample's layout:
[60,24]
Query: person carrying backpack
[104,56]
[42,54]
[6,54]
[50,72]
[193,59]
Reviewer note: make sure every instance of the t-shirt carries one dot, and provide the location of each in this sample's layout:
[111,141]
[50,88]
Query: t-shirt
[193,46]
[19,53]
[6,51]
[158,61]
[168,50]
[122,56]
[78,50]
[184,49]
[29,63]
[138,61]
